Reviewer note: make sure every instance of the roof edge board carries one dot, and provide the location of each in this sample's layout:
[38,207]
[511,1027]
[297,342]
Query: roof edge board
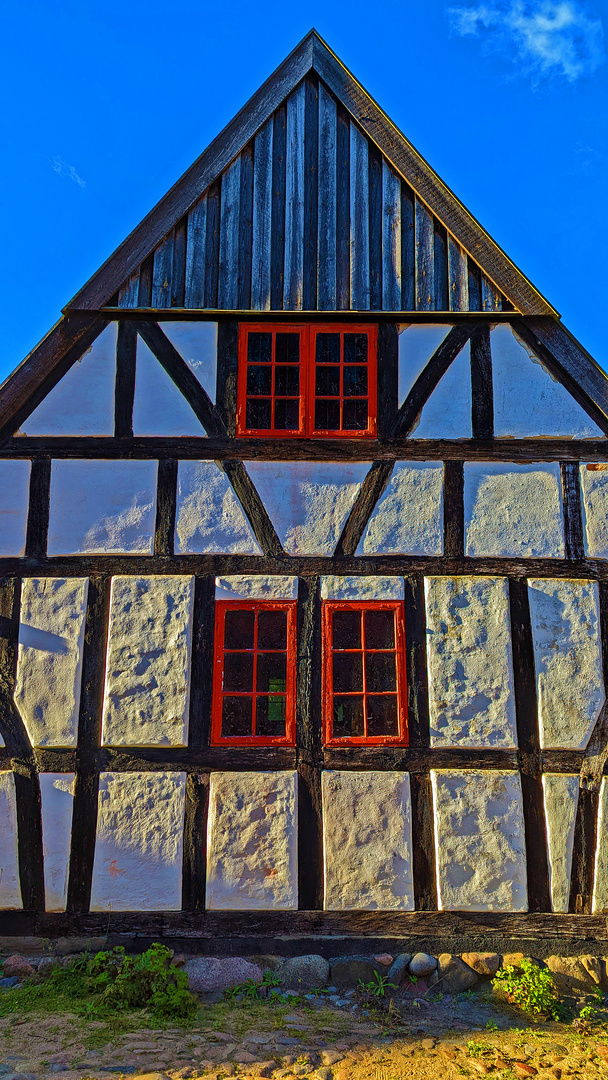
[573,358]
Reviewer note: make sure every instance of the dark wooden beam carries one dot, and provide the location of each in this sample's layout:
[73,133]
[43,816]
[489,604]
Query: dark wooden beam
[166,501]
[482,390]
[183,377]
[38,511]
[573,509]
[126,353]
[194,866]
[363,508]
[253,506]
[453,509]
[308,739]
[427,381]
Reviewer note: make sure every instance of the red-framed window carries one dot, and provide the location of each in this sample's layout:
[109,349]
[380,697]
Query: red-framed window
[254,673]
[364,684]
[316,380]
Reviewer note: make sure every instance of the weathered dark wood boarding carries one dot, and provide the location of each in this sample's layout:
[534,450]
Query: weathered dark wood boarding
[304,564]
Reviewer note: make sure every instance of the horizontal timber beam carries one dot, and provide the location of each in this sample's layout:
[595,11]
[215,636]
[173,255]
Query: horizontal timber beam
[217,314]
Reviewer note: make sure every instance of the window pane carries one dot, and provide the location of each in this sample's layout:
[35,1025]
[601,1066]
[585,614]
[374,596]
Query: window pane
[238,671]
[287,348]
[355,414]
[270,716]
[259,348]
[380,672]
[355,348]
[348,672]
[287,381]
[346,629]
[287,414]
[327,415]
[237,714]
[272,630]
[259,414]
[272,673]
[327,381]
[259,379]
[382,715]
[328,349]
[379,630]
[348,717]
[238,629]
[355,381]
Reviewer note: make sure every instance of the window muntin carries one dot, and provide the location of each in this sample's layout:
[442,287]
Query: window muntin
[297,381]
[364,673]
[254,673]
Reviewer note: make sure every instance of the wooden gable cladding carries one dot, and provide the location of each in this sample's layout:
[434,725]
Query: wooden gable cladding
[310,216]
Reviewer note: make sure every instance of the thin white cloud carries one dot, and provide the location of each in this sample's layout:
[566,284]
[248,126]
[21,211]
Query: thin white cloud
[61,166]
[553,37]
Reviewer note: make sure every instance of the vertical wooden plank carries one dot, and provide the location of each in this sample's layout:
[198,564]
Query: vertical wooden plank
[166,498]
[293,281]
[375,227]
[262,216]
[458,276]
[482,392]
[128,294]
[342,209]
[245,229]
[11,725]
[474,277]
[144,299]
[178,283]
[194,865]
[425,258]
[408,249]
[203,629]
[311,173]
[212,244]
[391,239]
[327,197]
[195,254]
[124,387]
[308,739]
[388,375]
[227,373]
[162,273]
[453,509]
[359,221]
[277,258]
[490,295]
[573,509]
[38,512]
[441,267]
[229,236]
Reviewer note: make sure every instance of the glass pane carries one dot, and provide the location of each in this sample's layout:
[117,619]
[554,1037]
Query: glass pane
[379,629]
[287,381]
[327,381]
[328,349]
[272,673]
[327,415]
[355,381]
[259,348]
[348,672]
[380,672]
[238,671]
[355,348]
[270,716]
[237,716]
[272,630]
[259,379]
[382,715]
[348,717]
[238,629]
[346,629]
[355,414]
[259,414]
[287,414]
[287,349]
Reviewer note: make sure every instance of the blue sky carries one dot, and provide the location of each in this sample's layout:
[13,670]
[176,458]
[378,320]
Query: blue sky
[105,104]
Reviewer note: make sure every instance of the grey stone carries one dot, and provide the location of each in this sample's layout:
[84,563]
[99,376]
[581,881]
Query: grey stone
[576,973]
[304,973]
[454,974]
[7,984]
[347,970]
[331,1057]
[323,1073]
[208,973]
[422,964]
[396,971]
[484,963]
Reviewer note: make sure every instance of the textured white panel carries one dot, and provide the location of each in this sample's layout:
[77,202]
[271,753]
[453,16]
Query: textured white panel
[594,486]
[367,841]
[468,640]
[362,588]
[159,408]
[57,793]
[147,692]
[49,666]
[528,400]
[138,849]
[82,402]
[209,517]
[10,888]
[567,657]
[561,799]
[14,502]
[102,506]
[417,343]
[513,510]
[447,413]
[308,502]
[196,342]
[600,884]
[479,840]
[258,587]
[252,841]
[408,519]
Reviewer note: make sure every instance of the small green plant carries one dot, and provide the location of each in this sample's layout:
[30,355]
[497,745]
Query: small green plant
[531,988]
[377,986]
[413,978]
[476,1049]
[598,994]
[587,1012]
[248,990]
[270,979]
[491,1025]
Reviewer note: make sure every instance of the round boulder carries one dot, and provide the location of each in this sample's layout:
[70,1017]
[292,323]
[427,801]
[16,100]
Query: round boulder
[348,970]
[208,973]
[304,973]
[422,964]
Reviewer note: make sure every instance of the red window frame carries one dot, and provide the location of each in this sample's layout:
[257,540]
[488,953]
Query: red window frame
[307,383]
[329,607]
[221,608]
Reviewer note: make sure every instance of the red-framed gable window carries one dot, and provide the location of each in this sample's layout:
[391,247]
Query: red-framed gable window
[364,683]
[296,380]
[254,673]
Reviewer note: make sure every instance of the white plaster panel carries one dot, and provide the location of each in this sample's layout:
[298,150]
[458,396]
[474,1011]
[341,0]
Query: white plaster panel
[362,588]
[57,794]
[10,887]
[209,516]
[252,841]
[102,506]
[567,658]
[447,413]
[408,518]
[513,510]
[561,799]
[139,843]
[257,587]
[594,488]
[528,400]
[82,402]
[417,343]
[49,665]
[14,502]
[470,663]
[147,691]
[196,342]
[159,408]
[479,840]
[367,841]
[308,502]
